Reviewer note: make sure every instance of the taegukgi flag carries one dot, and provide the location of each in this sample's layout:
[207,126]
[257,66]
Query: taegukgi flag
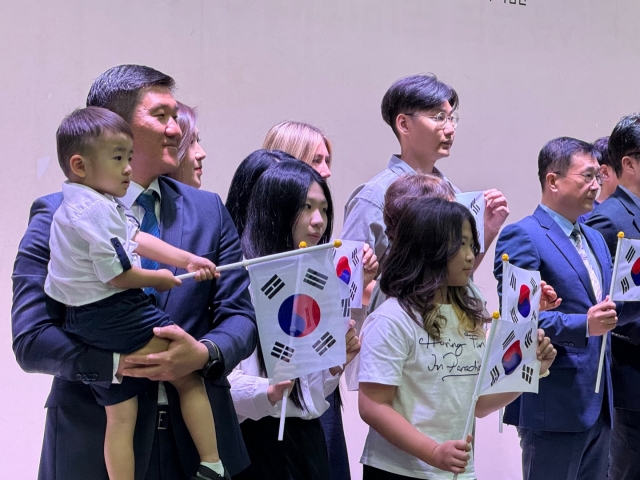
[512,365]
[474,201]
[300,315]
[347,261]
[520,294]
[626,281]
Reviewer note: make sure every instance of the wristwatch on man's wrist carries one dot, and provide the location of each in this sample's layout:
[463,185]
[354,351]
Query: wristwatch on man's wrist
[214,368]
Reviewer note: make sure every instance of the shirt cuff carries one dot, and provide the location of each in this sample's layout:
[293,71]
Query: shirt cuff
[588,329]
[116,362]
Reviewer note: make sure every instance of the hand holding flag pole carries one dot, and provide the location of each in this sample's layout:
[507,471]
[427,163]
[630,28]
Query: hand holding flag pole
[245,263]
[604,337]
[479,382]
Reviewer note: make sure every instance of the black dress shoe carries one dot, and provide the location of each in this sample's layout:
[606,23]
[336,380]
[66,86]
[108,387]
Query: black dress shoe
[205,473]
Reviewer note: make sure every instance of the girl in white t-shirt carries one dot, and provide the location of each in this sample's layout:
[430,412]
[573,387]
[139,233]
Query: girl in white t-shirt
[422,349]
[290,203]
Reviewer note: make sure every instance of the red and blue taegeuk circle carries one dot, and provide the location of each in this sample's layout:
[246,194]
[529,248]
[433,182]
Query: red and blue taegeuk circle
[343,270]
[299,315]
[512,358]
[524,301]
[635,272]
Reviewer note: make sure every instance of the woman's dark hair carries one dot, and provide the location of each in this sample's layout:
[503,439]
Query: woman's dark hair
[428,235]
[245,179]
[276,202]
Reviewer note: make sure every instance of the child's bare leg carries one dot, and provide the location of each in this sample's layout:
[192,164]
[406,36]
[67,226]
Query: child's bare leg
[197,415]
[118,439]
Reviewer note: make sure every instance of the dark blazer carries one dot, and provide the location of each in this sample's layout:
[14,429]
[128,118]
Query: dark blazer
[566,401]
[219,310]
[619,213]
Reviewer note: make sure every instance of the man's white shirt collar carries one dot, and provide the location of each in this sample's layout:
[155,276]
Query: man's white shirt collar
[134,191]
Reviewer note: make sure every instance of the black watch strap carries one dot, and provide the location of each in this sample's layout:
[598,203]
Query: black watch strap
[214,368]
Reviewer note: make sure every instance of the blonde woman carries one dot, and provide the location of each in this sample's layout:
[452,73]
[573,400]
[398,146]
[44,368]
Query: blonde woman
[190,152]
[303,141]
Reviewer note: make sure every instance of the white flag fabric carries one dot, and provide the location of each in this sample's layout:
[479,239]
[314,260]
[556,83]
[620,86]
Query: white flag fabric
[512,365]
[474,201]
[520,294]
[300,315]
[347,261]
[627,276]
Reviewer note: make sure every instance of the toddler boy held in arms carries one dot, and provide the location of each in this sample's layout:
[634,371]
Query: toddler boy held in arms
[95,271]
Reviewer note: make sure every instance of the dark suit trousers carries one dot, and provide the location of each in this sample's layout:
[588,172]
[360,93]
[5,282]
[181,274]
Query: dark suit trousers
[566,455]
[625,440]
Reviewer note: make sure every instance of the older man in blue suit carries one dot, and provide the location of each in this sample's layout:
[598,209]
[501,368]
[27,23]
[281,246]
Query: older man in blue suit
[215,323]
[621,213]
[565,429]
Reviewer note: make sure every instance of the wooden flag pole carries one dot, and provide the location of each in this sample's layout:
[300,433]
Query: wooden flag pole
[505,262]
[604,337]
[245,263]
[283,414]
[476,392]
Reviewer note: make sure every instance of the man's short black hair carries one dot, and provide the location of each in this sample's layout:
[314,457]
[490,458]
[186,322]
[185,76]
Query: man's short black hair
[415,93]
[624,140]
[118,89]
[555,156]
[79,131]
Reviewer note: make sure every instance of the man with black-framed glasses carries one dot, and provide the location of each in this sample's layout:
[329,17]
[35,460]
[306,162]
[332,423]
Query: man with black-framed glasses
[565,428]
[621,213]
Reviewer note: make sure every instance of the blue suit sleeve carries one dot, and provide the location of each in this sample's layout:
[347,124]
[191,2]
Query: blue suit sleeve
[234,327]
[523,252]
[39,343]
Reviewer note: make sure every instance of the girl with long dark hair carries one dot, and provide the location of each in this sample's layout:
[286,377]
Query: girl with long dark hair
[422,349]
[290,203]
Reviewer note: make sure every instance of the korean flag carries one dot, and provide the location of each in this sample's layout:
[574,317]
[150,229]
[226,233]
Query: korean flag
[299,313]
[347,261]
[474,201]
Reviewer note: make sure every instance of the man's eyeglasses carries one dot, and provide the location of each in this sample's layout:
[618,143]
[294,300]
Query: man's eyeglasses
[588,177]
[441,119]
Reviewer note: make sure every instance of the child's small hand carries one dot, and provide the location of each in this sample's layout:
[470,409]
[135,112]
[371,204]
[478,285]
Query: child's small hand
[369,264]
[206,269]
[165,280]
[276,392]
[546,352]
[548,298]
[452,456]
[353,341]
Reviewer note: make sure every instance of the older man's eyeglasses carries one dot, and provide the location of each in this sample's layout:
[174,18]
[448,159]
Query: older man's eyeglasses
[441,119]
[588,177]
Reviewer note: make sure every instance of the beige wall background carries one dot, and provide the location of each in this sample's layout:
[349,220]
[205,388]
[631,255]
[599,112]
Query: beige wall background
[524,73]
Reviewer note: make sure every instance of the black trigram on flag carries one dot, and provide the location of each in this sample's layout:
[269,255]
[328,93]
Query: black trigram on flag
[354,257]
[495,375]
[315,279]
[528,340]
[534,316]
[527,374]
[514,315]
[353,290]
[282,352]
[332,254]
[324,344]
[512,281]
[272,287]
[474,207]
[624,283]
[534,287]
[346,307]
[630,254]
[510,338]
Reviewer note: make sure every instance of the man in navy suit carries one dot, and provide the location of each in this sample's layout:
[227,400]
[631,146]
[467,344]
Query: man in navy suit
[565,429]
[621,213]
[215,322]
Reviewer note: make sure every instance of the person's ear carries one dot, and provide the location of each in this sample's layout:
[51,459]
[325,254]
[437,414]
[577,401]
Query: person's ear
[78,166]
[551,181]
[402,124]
[629,164]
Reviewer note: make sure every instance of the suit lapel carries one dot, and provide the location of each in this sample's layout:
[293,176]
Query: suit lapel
[628,203]
[171,224]
[566,248]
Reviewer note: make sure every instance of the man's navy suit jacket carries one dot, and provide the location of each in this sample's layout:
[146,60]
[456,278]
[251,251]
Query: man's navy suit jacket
[218,310]
[619,213]
[566,400]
